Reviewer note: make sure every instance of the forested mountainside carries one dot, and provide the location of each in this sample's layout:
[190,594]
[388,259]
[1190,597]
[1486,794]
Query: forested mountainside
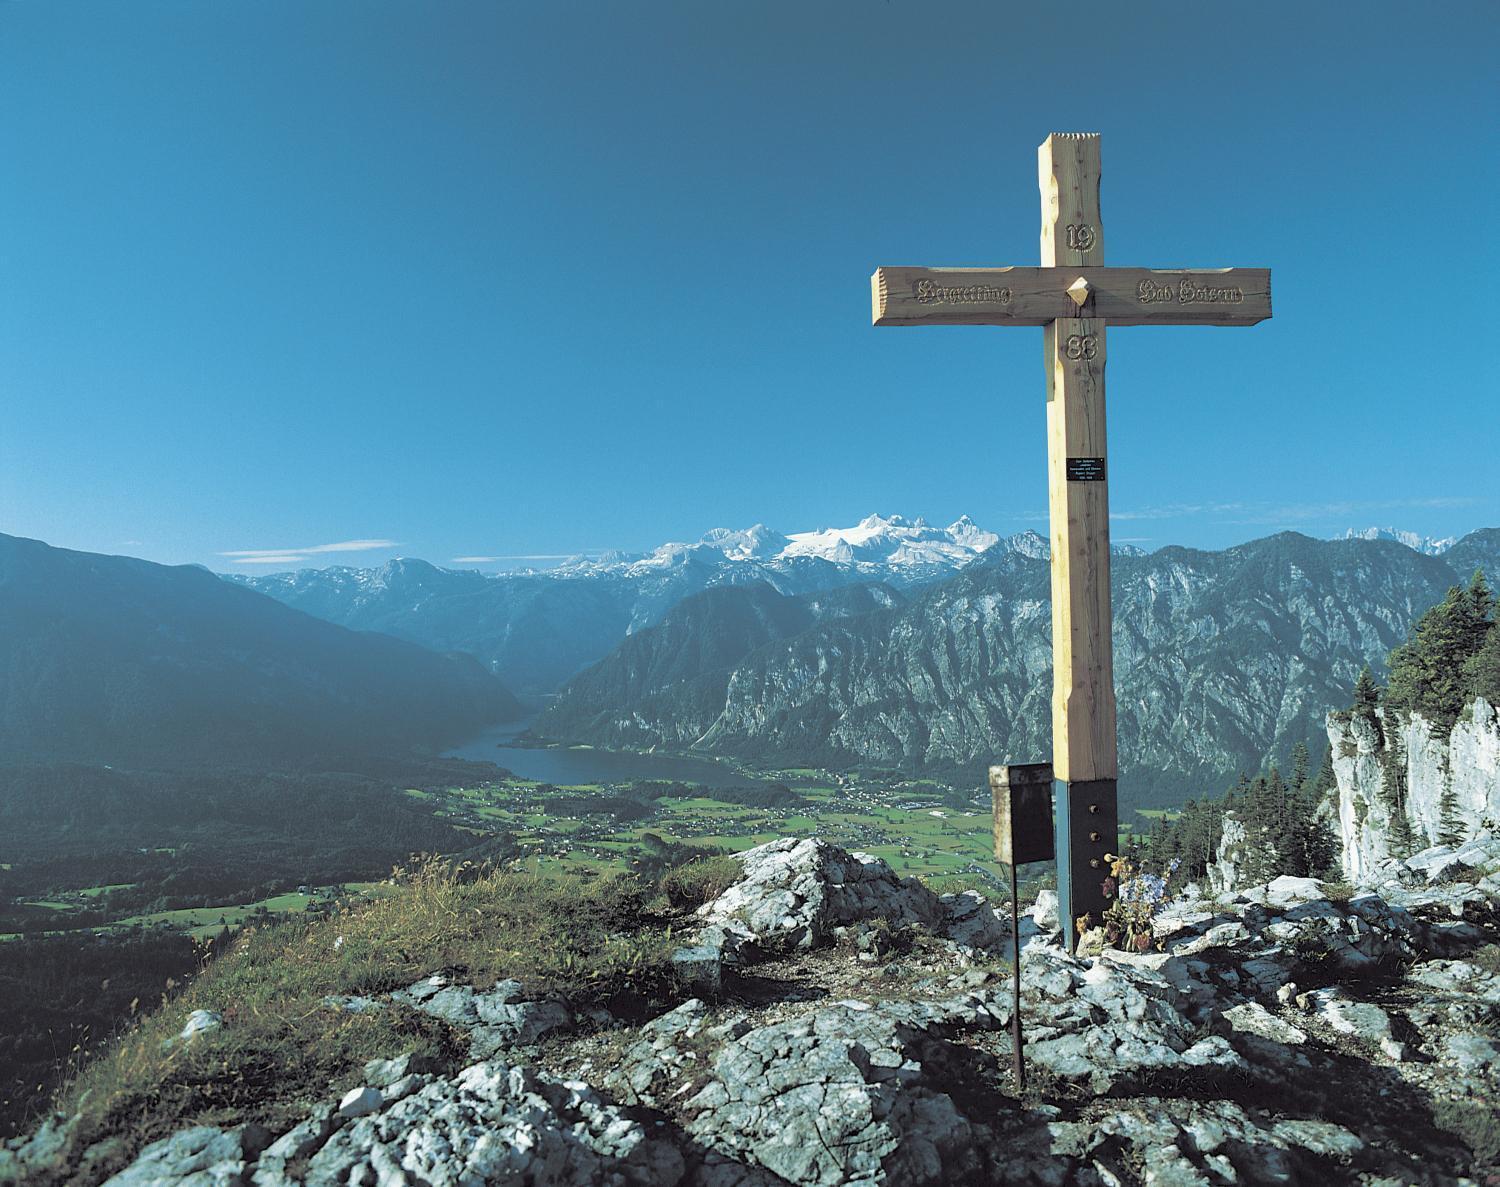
[1223,662]
[115,660]
[667,683]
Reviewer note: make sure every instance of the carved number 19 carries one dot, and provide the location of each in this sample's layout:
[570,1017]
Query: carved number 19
[1081,346]
[1081,236]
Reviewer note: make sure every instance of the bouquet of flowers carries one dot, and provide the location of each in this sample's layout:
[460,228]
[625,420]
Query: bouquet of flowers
[1138,896]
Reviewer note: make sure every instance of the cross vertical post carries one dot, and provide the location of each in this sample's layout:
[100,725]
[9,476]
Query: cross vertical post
[1083,693]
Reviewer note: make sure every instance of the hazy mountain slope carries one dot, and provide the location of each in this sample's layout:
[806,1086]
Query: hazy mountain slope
[117,660]
[667,683]
[532,631]
[536,630]
[1477,550]
[1222,660]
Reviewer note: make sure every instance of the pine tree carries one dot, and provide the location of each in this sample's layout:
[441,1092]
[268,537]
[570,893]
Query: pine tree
[1482,672]
[1366,694]
[1393,793]
[1481,604]
[1310,847]
[1258,813]
[1325,780]
[1300,763]
[1451,830]
[1285,832]
[1428,671]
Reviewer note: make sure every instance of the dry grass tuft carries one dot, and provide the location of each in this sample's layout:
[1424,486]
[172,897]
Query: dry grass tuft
[283,1047]
[690,886]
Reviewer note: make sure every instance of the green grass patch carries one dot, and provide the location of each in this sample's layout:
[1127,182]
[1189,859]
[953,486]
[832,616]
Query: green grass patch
[203,921]
[282,1048]
[96,891]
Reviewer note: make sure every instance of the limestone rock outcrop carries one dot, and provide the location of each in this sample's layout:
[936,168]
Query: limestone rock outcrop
[1450,783]
[798,894]
[1292,1033]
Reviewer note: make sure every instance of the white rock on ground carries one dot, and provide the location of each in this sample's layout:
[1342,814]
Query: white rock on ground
[199,1021]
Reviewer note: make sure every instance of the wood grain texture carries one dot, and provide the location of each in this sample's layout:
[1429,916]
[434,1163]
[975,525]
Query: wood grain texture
[1038,296]
[1083,693]
[1068,172]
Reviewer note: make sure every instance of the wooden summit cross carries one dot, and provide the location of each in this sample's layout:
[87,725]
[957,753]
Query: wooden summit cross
[1073,296]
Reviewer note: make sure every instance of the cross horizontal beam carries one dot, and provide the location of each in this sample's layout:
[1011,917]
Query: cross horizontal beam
[1039,296]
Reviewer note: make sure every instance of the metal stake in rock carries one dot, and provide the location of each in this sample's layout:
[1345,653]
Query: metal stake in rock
[1022,795]
[1074,297]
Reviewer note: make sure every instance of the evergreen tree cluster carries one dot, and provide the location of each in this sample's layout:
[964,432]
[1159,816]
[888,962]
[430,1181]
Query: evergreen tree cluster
[1451,656]
[1283,833]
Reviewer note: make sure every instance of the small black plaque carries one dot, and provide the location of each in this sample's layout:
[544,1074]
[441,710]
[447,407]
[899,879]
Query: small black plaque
[1085,469]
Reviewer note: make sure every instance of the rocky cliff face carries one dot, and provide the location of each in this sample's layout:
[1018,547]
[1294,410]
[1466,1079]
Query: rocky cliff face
[1226,872]
[1223,661]
[665,685]
[1457,776]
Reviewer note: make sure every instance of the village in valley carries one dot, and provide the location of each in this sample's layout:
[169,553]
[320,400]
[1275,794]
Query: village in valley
[921,828]
[911,824]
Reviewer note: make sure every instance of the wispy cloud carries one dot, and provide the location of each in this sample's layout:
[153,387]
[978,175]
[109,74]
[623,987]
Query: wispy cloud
[1264,512]
[1273,513]
[294,556]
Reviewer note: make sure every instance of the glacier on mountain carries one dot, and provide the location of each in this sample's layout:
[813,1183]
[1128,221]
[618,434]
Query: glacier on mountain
[878,545]
[1426,545]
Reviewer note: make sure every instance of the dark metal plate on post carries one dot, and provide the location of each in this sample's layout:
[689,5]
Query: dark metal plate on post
[1087,831]
[1022,794]
[1085,469]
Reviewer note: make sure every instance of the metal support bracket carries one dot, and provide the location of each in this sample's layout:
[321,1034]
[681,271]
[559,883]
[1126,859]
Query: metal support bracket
[1087,829]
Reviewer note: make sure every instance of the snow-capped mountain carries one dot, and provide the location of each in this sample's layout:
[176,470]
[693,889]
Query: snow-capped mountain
[895,540]
[885,548]
[1426,545]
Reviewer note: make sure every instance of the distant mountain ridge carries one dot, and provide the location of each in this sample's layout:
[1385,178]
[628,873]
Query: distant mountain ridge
[1223,661]
[114,660]
[536,629]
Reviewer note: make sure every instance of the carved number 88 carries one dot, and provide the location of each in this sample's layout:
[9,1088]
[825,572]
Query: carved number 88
[1081,346]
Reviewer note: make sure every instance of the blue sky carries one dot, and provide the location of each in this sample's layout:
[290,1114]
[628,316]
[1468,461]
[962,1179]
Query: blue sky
[506,279]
